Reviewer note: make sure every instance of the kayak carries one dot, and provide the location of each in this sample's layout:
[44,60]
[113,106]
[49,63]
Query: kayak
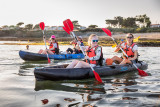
[30,56]
[60,72]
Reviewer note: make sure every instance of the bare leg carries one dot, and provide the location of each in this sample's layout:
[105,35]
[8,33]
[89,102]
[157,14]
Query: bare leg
[115,58]
[40,51]
[73,64]
[44,52]
[82,64]
[50,52]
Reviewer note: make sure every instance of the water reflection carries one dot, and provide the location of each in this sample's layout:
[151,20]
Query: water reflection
[89,90]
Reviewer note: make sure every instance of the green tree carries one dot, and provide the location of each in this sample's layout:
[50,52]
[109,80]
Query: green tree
[129,22]
[36,27]
[20,24]
[144,20]
[112,23]
[76,24]
[28,26]
[92,26]
[120,21]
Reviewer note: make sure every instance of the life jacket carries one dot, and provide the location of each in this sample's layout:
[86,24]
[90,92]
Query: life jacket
[55,50]
[128,50]
[91,52]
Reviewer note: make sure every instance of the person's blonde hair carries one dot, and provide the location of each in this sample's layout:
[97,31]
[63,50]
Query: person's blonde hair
[90,38]
[131,35]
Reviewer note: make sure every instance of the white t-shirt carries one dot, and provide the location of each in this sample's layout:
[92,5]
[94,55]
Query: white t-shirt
[135,47]
[55,45]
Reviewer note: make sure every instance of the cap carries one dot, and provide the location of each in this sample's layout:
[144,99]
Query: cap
[53,37]
[121,39]
[80,37]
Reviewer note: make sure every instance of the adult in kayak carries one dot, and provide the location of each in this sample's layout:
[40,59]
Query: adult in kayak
[76,49]
[53,47]
[130,48]
[94,54]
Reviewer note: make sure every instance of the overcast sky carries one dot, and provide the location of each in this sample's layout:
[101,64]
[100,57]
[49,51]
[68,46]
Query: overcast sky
[87,12]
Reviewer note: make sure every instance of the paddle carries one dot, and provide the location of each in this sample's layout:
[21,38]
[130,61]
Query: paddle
[41,25]
[141,72]
[69,27]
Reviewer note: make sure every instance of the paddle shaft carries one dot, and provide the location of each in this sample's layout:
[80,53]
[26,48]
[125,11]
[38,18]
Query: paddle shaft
[44,38]
[123,52]
[82,50]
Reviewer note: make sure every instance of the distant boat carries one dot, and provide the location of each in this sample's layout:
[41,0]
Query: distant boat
[30,56]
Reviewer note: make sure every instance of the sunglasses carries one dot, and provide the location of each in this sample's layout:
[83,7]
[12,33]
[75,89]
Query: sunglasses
[129,37]
[94,40]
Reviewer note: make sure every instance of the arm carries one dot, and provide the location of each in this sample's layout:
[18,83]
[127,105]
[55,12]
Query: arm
[135,55]
[118,47]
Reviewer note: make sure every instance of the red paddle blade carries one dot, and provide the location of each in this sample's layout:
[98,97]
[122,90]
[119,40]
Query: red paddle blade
[68,25]
[41,25]
[107,31]
[49,61]
[97,77]
[66,30]
[142,73]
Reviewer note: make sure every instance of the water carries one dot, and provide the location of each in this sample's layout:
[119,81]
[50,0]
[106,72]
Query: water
[18,87]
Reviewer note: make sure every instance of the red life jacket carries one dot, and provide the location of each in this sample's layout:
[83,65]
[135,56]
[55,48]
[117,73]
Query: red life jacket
[91,53]
[129,50]
[51,46]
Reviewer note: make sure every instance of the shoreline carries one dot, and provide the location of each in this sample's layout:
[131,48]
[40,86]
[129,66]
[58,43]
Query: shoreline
[145,40]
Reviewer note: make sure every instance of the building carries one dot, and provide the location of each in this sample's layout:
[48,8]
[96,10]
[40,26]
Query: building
[154,25]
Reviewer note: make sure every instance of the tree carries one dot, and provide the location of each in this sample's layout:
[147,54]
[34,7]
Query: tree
[92,26]
[29,26]
[76,24]
[112,23]
[129,22]
[36,26]
[20,24]
[144,20]
[120,21]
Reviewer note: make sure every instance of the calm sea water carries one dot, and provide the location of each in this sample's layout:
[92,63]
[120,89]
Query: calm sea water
[18,87]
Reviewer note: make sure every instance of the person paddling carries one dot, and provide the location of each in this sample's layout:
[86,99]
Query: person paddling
[76,49]
[94,54]
[53,47]
[130,48]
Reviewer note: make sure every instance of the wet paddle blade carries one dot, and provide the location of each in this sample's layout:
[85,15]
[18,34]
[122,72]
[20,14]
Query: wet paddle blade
[49,61]
[97,77]
[136,39]
[42,25]
[68,25]
[113,46]
[142,73]
[108,32]
[66,30]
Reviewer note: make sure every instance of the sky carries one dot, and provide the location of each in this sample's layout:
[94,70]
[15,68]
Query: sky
[87,12]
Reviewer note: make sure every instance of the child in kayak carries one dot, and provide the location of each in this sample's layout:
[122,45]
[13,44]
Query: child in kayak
[76,49]
[130,48]
[53,47]
[94,54]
